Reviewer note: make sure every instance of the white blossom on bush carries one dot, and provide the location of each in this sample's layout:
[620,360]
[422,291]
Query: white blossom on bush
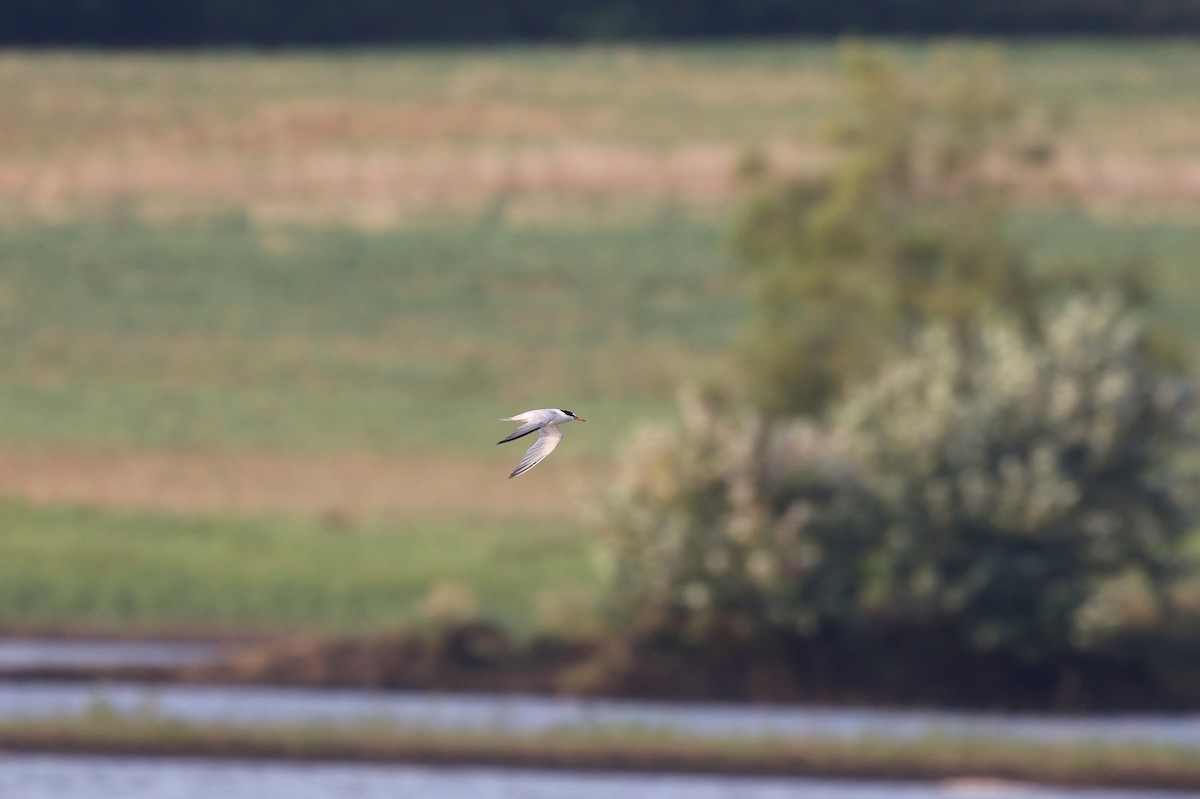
[731,527]
[1019,472]
[995,483]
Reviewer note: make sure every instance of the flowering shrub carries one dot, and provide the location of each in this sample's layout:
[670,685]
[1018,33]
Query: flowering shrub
[995,483]
[733,528]
[1020,474]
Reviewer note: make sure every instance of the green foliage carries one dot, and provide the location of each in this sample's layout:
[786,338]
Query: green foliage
[1003,474]
[1021,475]
[907,228]
[733,528]
[1002,486]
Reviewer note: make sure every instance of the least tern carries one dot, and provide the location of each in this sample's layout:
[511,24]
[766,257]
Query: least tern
[545,419]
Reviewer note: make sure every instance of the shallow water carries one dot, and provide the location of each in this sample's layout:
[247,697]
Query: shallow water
[516,713]
[76,777]
[47,653]
[245,705]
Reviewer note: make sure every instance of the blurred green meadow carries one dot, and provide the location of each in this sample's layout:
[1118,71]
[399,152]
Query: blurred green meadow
[220,335]
[75,569]
[214,267]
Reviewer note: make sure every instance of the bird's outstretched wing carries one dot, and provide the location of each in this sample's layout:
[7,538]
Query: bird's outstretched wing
[523,430]
[547,441]
[533,420]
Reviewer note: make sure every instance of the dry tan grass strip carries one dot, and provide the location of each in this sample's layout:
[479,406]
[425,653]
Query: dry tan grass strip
[347,486]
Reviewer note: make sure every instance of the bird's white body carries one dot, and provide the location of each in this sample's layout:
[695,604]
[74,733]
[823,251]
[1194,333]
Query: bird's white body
[547,420]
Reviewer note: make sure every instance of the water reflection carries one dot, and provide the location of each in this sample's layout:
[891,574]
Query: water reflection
[73,777]
[46,653]
[536,714]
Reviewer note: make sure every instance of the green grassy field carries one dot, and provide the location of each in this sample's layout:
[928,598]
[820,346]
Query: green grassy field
[377,139]
[209,336]
[202,338]
[216,266]
[105,570]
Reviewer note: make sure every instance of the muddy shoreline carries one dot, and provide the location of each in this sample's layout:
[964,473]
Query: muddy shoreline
[480,658]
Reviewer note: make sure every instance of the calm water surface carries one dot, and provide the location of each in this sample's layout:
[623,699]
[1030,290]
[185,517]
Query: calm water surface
[516,713]
[246,705]
[26,653]
[73,777]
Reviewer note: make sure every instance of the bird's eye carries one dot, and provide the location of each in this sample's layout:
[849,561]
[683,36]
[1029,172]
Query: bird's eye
[568,413]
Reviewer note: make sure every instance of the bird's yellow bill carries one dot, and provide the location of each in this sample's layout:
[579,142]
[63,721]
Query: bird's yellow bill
[580,419]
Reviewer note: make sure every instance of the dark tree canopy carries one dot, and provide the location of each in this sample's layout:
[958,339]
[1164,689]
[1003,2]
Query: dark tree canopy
[188,23]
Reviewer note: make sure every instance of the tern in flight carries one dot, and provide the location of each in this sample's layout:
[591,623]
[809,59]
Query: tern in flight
[545,419]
